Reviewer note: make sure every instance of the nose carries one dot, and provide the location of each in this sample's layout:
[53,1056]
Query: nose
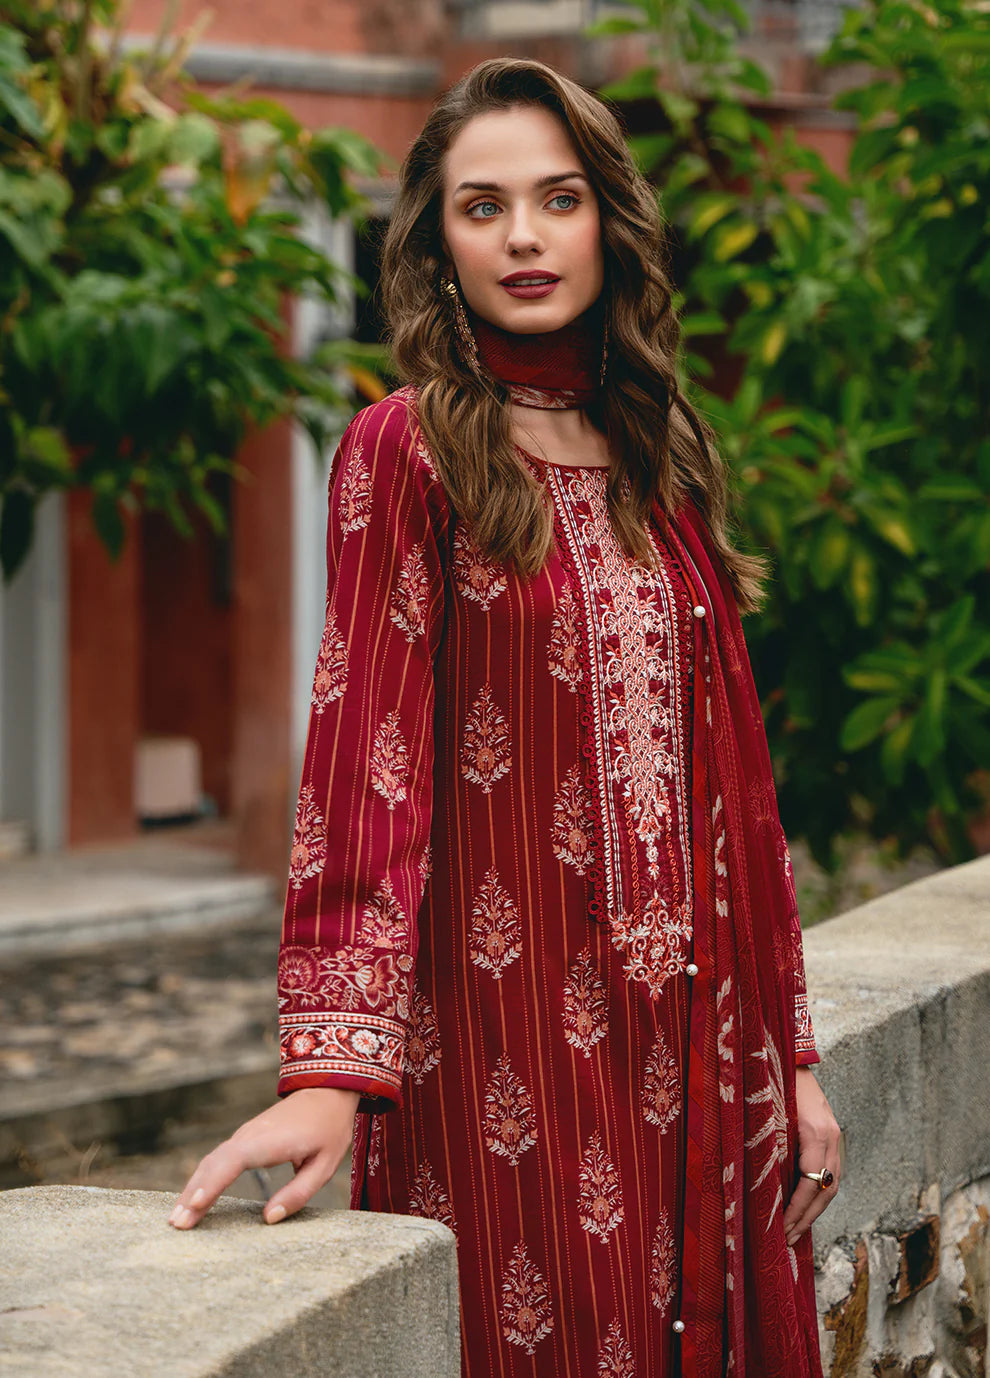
[522,235]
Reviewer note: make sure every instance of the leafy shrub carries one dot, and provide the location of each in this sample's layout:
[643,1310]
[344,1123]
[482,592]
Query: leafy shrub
[144,257]
[858,439]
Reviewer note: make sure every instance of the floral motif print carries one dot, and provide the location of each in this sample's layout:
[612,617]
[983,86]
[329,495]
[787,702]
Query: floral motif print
[726,1019]
[615,1358]
[355,494]
[496,934]
[375,1131]
[804,1040]
[600,1198]
[661,1085]
[653,942]
[773,1131]
[564,657]
[425,457]
[526,1314]
[510,1121]
[330,679]
[390,762]
[585,1005]
[485,749]
[411,597]
[309,840]
[476,578]
[298,976]
[426,863]
[385,924]
[351,978]
[423,1039]
[662,1265]
[428,1199]
[354,1042]
[571,830]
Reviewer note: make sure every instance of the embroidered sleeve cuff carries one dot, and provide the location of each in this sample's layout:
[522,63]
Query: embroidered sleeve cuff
[804,1044]
[347,1048]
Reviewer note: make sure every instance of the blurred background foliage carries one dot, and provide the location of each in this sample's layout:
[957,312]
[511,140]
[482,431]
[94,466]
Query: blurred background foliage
[854,307]
[145,255]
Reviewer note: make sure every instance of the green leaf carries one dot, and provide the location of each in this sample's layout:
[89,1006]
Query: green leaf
[703,323]
[829,553]
[192,140]
[16,530]
[895,748]
[732,240]
[21,108]
[866,721]
[930,731]
[973,689]
[109,523]
[609,28]
[709,209]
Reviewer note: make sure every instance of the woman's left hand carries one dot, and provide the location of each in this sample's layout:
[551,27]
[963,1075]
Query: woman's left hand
[818,1148]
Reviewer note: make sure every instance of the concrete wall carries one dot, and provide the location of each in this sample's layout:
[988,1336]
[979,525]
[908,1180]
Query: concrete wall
[94,1282]
[901,1003]
[900,994]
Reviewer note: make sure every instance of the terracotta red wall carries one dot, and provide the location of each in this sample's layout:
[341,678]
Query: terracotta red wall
[261,651]
[185,651]
[104,635]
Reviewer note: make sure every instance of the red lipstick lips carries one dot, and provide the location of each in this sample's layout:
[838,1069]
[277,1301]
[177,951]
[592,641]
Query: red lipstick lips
[531,284]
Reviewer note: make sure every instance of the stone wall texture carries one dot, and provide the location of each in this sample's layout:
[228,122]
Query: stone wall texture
[900,994]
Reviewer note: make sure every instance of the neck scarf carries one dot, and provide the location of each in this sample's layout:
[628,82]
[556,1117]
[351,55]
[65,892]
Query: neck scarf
[559,369]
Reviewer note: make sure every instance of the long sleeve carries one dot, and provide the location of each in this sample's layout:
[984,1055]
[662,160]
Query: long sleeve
[360,852]
[804,1035]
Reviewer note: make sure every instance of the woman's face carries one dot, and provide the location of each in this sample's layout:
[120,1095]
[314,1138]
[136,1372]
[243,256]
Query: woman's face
[521,227]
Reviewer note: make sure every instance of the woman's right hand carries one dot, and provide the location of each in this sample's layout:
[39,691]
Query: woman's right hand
[311,1128]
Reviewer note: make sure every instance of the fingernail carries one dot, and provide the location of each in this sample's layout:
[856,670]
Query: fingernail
[198,1197]
[276,1214]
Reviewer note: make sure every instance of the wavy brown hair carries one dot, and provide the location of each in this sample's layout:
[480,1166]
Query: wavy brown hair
[661,444]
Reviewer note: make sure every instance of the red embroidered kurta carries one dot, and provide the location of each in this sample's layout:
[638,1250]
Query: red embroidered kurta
[488,927]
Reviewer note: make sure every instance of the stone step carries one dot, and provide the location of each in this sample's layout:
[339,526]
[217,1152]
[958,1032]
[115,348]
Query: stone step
[129,1045]
[70,901]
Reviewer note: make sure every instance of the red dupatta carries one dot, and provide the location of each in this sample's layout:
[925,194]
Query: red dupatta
[748,1300]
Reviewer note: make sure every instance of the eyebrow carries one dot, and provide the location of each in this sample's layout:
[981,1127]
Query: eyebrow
[548,181]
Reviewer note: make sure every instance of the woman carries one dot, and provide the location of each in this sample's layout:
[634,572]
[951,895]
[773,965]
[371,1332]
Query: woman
[541,932]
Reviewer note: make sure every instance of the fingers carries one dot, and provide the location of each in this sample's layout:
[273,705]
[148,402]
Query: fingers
[307,1182]
[310,1129]
[215,1173]
[809,1199]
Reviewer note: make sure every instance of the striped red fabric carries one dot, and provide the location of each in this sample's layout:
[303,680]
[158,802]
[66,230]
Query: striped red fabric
[505,868]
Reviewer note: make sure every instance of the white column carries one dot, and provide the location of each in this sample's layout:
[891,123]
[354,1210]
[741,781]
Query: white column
[33,684]
[314,320]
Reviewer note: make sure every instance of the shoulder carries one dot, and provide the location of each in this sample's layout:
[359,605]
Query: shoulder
[388,432]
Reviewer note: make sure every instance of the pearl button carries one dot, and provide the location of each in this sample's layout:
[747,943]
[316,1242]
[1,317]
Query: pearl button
[679,1326]
[691,969]
[699,611]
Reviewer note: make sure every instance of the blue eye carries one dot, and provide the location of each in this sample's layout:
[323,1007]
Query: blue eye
[564,196]
[479,205]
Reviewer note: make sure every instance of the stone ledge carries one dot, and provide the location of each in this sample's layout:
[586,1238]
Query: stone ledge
[296,69]
[94,1281]
[900,999]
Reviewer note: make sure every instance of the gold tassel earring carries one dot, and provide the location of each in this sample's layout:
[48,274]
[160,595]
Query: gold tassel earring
[462,325]
[604,368]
